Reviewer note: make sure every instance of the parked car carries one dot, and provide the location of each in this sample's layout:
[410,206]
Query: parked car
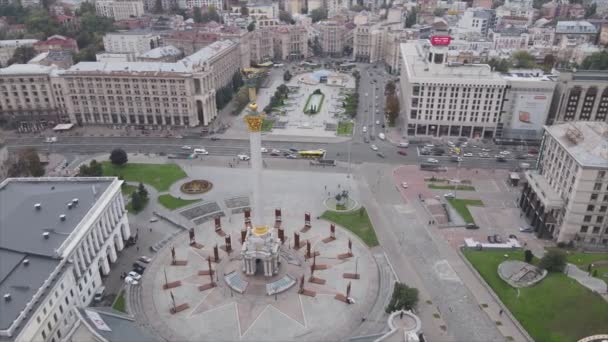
[491,239]
[533,151]
[471,226]
[374,147]
[381,136]
[134,275]
[526,229]
[264,150]
[275,154]
[449,195]
[144,259]
[425,152]
[294,150]
[131,281]
[51,139]
[243,157]
[364,129]
[153,219]
[366,139]
[291,156]
[381,155]
[404,144]
[214,138]
[186,147]
[99,294]
[497,238]
[429,145]
[432,161]
[276,150]
[403,153]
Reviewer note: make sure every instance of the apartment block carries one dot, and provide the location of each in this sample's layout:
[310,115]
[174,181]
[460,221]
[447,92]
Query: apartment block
[119,9]
[132,42]
[566,198]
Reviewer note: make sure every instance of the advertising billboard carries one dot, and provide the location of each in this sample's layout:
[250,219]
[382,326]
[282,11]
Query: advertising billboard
[530,111]
[440,40]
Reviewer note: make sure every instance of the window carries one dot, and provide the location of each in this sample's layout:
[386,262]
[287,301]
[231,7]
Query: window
[43,335]
[599,219]
[593,197]
[584,229]
[44,311]
[590,207]
[55,317]
[587,218]
[67,301]
[60,308]
[603,209]
[71,293]
[58,333]
[38,319]
[601,174]
[48,324]
[597,186]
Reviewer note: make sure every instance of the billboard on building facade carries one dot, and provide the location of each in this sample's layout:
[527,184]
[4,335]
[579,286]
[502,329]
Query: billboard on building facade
[530,111]
[440,40]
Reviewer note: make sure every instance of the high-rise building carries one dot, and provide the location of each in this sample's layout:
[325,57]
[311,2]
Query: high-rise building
[58,236]
[566,198]
[580,96]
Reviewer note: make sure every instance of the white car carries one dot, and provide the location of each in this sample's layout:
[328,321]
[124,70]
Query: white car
[243,157]
[404,144]
[200,151]
[404,185]
[364,129]
[131,281]
[432,161]
[51,139]
[449,195]
[505,153]
[264,150]
[134,275]
[377,122]
[486,149]
[468,154]
[429,145]
[144,259]
[276,150]
[186,147]
[374,147]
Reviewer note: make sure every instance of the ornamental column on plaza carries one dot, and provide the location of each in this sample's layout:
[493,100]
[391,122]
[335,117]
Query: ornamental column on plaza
[260,251]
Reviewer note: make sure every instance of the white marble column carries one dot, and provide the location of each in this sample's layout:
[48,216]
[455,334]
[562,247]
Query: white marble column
[119,242]
[76,265]
[85,252]
[95,232]
[126,230]
[80,259]
[105,265]
[113,255]
[106,225]
[255,144]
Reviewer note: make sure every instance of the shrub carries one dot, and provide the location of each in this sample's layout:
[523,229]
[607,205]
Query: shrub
[561,244]
[528,256]
[553,261]
[404,298]
[118,156]
[317,92]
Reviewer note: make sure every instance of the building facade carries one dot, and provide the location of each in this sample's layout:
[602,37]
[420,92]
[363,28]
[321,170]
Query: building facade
[566,198]
[476,21]
[580,96]
[59,235]
[261,46]
[447,99]
[332,37]
[290,42]
[119,10]
[8,47]
[132,43]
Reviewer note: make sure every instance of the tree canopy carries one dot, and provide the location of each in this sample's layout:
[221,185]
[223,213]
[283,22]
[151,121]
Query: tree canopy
[500,65]
[251,26]
[118,156]
[318,14]
[553,261]
[523,59]
[22,55]
[286,17]
[597,61]
[94,169]
[403,298]
[412,18]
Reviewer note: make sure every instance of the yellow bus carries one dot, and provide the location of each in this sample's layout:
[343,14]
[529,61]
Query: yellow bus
[315,154]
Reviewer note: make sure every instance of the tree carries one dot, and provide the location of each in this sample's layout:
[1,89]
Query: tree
[528,256]
[315,44]
[411,18]
[549,61]
[237,81]
[158,6]
[287,76]
[597,61]
[143,193]
[251,26]
[389,88]
[244,10]
[39,22]
[523,59]
[392,109]
[403,298]
[357,8]
[137,203]
[22,55]
[553,261]
[197,16]
[118,156]
[318,14]
[210,15]
[591,10]
[499,65]
[286,17]
[31,160]
[94,169]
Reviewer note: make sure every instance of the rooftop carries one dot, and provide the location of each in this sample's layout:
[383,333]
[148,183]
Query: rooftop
[586,142]
[14,42]
[575,27]
[420,69]
[128,67]
[26,69]
[207,53]
[122,327]
[160,52]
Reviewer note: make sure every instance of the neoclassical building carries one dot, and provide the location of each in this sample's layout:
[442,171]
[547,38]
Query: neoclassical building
[57,237]
[261,249]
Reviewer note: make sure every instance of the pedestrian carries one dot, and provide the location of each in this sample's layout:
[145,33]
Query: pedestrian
[150,229]
[500,312]
[138,248]
[401,315]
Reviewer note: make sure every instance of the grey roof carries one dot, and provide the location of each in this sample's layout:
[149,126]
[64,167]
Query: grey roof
[575,27]
[21,281]
[22,226]
[124,328]
[589,148]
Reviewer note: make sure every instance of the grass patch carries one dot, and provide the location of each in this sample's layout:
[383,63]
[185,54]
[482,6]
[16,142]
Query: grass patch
[460,205]
[127,189]
[450,187]
[583,260]
[556,309]
[267,125]
[357,222]
[307,108]
[171,202]
[160,176]
[119,303]
[345,128]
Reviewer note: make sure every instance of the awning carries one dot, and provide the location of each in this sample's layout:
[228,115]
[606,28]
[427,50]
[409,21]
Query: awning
[63,127]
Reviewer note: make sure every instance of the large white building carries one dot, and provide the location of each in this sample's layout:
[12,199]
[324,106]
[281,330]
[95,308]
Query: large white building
[119,9]
[199,3]
[566,198]
[57,237]
[448,99]
[476,21]
[131,42]
[8,47]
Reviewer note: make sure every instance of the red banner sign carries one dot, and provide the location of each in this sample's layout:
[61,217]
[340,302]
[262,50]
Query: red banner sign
[441,40]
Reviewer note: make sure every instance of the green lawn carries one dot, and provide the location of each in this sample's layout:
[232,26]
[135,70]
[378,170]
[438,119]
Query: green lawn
[345,128]
[267,125]
[582,260]
[160,176]
[450,187]
[557,309]
[357,222]
[460,205]
[127,189]
[171,202]
[119,303]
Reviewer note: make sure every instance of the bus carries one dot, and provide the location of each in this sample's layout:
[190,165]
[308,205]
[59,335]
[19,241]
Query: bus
[315,154]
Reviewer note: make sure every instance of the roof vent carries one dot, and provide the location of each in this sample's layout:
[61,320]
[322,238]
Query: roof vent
[26,262]
[38,206]
[46,235]
[62,217]
[7,297]
[70,205]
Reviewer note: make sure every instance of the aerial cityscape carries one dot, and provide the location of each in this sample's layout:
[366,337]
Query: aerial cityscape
[304,170]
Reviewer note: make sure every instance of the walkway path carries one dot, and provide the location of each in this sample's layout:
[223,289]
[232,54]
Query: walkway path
[592,283]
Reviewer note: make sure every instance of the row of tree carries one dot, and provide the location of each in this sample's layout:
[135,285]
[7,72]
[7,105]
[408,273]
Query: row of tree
[224,95]
[392,103]
[278,99]
[26,163]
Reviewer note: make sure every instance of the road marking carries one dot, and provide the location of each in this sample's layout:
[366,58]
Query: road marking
[445,271]
[391,266]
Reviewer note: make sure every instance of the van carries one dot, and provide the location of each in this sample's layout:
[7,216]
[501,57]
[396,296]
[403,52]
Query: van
[200,151]
[381,136]
[99,294]
[404,144]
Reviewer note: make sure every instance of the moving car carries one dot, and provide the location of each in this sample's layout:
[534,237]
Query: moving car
[51,139]
[364,129]
[429,145]
[404,185]
[144,259]
[276,150]
[153,219]
[374,147]
[186,147]
[432,161]
[264,150]
[468,154]
[291,156]
[377,122]
[243,157]
[404,144]
[381,136]
[294,150]
[200,151]
[275,154]
[380,154]
[449,195]
[214,138]
[131,281]
[403,153]
[134,275]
